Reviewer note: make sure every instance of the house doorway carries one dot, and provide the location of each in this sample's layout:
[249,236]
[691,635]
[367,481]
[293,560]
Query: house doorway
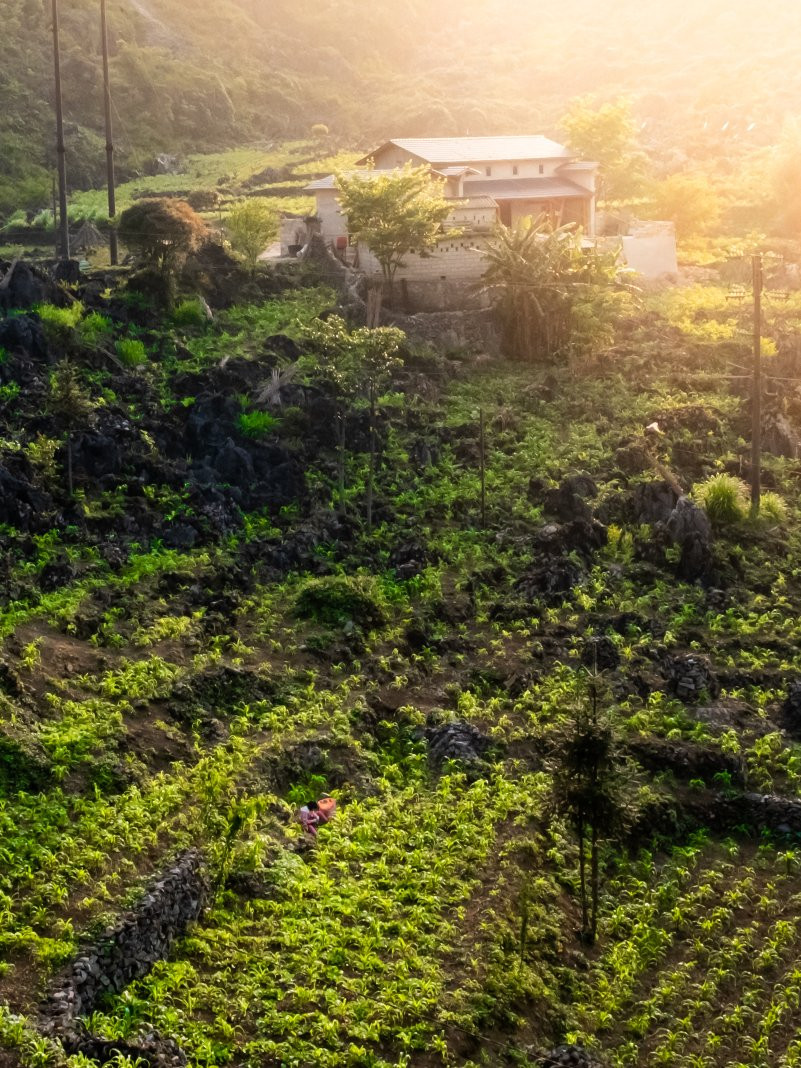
[505,212]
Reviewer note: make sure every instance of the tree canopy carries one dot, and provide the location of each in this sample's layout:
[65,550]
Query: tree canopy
[393,212]
[251,226]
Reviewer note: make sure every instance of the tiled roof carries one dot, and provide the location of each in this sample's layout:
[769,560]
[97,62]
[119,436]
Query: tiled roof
[451,150]
[525,188]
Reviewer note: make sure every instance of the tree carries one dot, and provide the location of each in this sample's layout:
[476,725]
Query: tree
[543,281]
[785,175]
[251,226]
[587,786]
[393,212]
[350,363]
[70,403]
[162,232]
[606,134]
[688,201]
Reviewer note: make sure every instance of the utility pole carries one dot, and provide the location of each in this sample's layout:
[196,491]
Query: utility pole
[61,152]
[112,199]
[756,387]
[482,467]
[55,220]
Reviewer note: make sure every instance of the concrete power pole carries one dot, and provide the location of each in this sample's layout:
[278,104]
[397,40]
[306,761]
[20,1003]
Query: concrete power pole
[61,152]
[112,200]
[756,389]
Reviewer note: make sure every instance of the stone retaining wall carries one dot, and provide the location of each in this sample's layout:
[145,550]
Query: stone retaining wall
[127,951]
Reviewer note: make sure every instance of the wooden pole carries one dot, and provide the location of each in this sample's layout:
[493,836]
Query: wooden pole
[112,198]
[61,152]
[482,462]
[55,220]
[756,390]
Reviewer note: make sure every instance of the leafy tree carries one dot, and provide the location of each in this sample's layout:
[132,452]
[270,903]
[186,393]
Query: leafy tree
[350,362]
[607,135]
[688,201]
[587,787]
[393,212]
[70,403]
[785,180]
[251,225]
[542,281]
[162,232]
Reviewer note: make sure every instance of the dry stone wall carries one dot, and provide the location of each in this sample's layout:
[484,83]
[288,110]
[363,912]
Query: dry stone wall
[127,952]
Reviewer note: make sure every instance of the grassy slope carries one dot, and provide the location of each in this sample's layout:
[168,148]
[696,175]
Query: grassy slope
[403,927]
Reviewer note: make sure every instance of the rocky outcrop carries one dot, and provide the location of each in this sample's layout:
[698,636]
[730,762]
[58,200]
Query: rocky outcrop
[691,677]
[128,951]
[568,1056]
[688,528]
[456,741]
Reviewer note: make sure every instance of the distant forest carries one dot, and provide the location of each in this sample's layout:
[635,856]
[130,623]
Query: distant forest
[711,81]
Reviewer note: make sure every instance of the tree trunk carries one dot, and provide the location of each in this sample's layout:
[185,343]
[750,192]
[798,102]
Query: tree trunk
[341,460]
[585,919]
[371,465]
[594,881]
[69,462]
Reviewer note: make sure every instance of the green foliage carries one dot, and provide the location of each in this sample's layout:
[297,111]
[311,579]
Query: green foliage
[257,424]
[161,231]
[60,323]
[688,200]
[336,599]
[724,498]
[190,313]
[131,351]
[252,226]
[95,329]
[773,507]
[544,284]
[606,134]
[393,212]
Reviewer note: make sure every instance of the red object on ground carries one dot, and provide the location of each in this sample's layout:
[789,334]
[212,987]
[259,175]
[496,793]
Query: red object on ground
[327,807]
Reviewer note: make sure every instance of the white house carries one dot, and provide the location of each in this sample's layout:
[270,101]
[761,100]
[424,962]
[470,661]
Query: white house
[489,179]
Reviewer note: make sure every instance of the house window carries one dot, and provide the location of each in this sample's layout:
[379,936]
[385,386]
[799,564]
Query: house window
[542,169]
[514,168]
[488,171]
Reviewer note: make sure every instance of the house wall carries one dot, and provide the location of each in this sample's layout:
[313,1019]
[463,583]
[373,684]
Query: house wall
[391,157]
[455,259]
[333,223]
[573,210]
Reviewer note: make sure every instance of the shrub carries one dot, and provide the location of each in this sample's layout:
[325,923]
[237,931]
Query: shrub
[336,599]
[17,221]
[773,507]
[724,498]
[95,329]
[131,352]
[59,323]
[190,313]
[257,424]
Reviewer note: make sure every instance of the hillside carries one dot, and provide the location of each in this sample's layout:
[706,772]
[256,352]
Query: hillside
[710,85]
[198,638]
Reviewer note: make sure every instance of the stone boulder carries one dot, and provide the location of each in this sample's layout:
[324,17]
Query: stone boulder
[688,527]
[779,437]
[569,1056]
[690,677]
[651,502]
[456,741]
[549,580]
[601,653]
[23,334]
[791,709]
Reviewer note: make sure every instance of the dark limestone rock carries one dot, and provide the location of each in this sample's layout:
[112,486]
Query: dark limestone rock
[569,1056]
[651,502]
[688,527]
[779,436]
[23,334]
[791,709]
[456,741]
[600,653]
[690,677]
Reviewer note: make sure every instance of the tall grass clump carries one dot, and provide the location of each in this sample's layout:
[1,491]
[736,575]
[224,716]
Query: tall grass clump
[724,498]
[132,353]
[773,507]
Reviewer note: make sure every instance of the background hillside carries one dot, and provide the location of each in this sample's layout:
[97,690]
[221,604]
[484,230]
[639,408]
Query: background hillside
[714,81]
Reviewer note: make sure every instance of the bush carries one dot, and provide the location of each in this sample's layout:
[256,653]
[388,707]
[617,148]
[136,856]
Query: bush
[59,323]
[132,353]
[724,498]
[336,599]
[257,424]
[190,313]
[773,507]
[17,221]
[95,329]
